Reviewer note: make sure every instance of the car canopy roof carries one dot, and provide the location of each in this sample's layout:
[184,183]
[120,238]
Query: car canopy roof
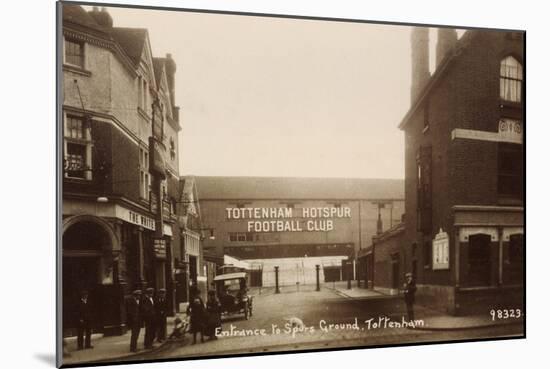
[223,277]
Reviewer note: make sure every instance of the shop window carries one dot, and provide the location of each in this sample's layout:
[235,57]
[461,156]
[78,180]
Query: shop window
[479,260]
[78,148]
[510,170]
[511,77]
[515,260]
[515,251]
[74,53]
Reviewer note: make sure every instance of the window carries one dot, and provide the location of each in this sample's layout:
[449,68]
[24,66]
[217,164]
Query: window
[511,77]
[77,148]
[479,260]
[515,260]
[241,237]
[144,177]
[510,170]
[515,253]
[74,53]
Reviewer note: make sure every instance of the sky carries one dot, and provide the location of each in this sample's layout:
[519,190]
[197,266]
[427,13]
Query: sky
[262,96]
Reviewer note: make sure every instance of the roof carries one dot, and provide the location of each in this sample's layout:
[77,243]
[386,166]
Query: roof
[131,40]
[442,67]
[223,277]
[77,15]
[289,188]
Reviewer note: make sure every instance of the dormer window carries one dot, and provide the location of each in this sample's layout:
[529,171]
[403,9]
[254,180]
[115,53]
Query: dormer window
[511,77]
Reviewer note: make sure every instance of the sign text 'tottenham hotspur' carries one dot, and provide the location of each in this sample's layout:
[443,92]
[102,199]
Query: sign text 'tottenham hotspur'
[284,220]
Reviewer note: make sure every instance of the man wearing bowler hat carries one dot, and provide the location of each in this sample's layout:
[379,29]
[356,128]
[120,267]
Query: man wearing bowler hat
[84,322]
[148,311]
[160,312]
[134,318]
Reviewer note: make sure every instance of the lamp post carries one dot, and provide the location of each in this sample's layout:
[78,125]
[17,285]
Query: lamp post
[277,280]
[317,268]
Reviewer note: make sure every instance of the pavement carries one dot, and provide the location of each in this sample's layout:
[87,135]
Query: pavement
[432,319]
[112,348]
[334,304]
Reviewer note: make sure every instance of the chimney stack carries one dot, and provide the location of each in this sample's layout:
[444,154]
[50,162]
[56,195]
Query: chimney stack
[446,40]
[102,17]
[170,66]
[420,73]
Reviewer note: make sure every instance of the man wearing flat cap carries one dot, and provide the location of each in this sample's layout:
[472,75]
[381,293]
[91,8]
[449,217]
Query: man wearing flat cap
[160,312]
[409,289]
[148,311]
[134,318]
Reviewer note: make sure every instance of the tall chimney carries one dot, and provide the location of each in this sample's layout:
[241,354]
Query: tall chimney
[446,40]
[420,72]
[102,17]
[170,66]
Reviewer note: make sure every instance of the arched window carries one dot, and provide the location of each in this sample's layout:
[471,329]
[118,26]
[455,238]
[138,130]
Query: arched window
[511,77]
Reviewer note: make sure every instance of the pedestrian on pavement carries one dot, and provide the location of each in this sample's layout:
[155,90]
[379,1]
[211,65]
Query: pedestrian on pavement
[134,318]
[148,313]
[409,289]
[197,314]
[160,311]
[84,322]
[214,315]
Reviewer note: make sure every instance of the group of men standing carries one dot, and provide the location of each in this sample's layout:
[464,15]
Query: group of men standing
[148,311]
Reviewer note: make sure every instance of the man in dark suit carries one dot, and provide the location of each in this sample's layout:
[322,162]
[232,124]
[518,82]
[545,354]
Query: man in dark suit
[84,322]
[409,289]
[134,318]
[148,313]
[160,312]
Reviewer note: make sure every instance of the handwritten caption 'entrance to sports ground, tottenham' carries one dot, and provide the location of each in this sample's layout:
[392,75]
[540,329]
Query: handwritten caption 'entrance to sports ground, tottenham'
[319,219]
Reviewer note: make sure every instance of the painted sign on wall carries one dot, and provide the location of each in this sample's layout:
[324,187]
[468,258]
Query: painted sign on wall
[440,251]
[319,219]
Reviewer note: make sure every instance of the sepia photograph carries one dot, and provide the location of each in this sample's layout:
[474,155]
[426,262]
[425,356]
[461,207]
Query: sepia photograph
[247,184]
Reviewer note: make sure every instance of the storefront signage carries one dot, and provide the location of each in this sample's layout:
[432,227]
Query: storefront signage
[510,129]
[134,218]
[159,247]
[440,251]
[319,219]
[156,158]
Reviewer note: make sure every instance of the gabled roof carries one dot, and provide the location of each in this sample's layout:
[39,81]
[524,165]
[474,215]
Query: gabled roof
[132,41]
[281,188]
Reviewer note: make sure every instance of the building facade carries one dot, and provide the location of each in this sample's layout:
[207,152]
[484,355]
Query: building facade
[297,223]
[119,166]
[463,235]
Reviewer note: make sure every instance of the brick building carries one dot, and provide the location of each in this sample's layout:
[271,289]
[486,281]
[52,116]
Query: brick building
[270,221]
[463,235]
[114,97]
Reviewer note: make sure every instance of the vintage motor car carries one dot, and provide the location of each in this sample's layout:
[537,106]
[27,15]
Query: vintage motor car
[232,292]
